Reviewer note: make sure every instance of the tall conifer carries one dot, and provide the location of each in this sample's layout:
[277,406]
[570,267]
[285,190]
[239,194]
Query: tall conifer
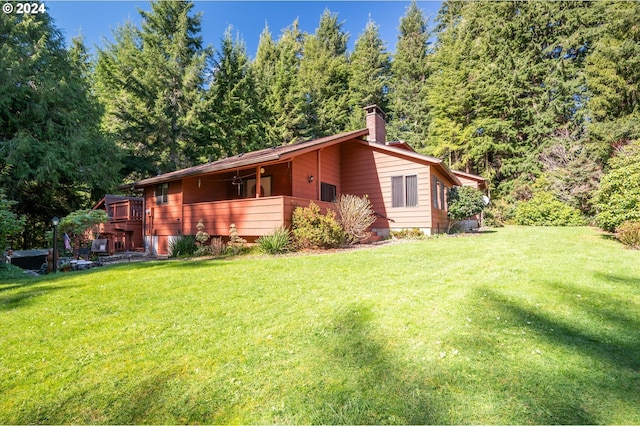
[410,68]
[370,74]
[324,78]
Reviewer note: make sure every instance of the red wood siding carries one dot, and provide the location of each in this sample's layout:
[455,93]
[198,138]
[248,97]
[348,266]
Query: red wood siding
[252,216]
[164,219]
[330,168]
[304,166]
[440,219]
[367,171]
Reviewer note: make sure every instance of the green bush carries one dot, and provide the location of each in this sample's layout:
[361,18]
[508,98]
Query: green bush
[629,233]
[414,233]
[183,246]
[312,229]
[618,198]
[8,271]
[278,242]
[355,215]
[543,209]
[463,202]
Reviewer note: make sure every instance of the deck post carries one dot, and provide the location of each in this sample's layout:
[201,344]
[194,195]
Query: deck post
[258,183]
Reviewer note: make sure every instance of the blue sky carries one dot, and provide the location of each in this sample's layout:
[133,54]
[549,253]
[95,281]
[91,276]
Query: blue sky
[95,20]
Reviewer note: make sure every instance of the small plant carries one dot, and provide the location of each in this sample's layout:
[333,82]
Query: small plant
[183,246]
[278,242]
[236,243]
[629,233]
[414,233]
[201,236]
[313,229]
[355,214]
[217,247]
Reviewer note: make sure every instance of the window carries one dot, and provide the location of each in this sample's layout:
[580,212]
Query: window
[438,194]
[397,198]
[328,192]
[404,191]
[162,193]
[412,190]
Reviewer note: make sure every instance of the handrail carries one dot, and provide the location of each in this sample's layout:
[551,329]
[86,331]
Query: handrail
[384,217]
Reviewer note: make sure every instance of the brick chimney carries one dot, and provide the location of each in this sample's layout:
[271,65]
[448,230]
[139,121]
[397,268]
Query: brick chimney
[376,124]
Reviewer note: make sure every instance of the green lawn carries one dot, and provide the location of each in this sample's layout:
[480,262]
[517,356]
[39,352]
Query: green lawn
[520,325]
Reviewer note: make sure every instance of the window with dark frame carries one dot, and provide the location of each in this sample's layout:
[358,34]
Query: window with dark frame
[162,193]
[328,192]
[404,191]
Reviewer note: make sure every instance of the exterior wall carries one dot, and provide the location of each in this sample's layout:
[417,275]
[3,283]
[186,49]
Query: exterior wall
[302,167]
[163,220]
[330,168]
[367,171]
[440,220]
[468,182]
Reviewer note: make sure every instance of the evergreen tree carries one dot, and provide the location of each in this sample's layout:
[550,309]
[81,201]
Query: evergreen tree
[410,69]
[613,73]
[508,81]
[324,79]
[151,81]
[232,102]
[54,158]
[276,69]
[370,73]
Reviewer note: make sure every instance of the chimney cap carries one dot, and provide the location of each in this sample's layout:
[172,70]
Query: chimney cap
[375,109]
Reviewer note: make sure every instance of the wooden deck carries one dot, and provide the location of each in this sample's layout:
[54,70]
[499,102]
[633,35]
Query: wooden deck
[253,217]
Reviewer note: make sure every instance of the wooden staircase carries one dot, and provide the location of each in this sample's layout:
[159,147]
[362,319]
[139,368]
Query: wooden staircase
[373,238]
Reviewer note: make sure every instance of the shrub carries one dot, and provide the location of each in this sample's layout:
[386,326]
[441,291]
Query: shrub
[312,229]
[236,244]
[217,247]
[618,198]
[629,233]
[543,209]
[463,202]
[278,242]
[500,212]
[183,246]
[201,236]
[355,214]
[414,233]
[10,223]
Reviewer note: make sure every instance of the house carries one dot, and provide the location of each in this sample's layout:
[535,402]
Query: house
[258,191]
[123,231]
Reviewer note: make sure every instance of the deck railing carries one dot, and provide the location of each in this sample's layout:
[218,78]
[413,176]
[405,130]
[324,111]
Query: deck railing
[125,210]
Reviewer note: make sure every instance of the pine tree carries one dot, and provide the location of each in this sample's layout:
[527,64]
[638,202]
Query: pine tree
[152,81]
[54,159]
[324,79]
[276,69]
[410,69]
[370,74]
[613,75]
[507,82]
[232,102]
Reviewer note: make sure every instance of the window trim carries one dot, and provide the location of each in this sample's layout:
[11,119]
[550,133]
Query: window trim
[400,187]
[162,193]
[328,186]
